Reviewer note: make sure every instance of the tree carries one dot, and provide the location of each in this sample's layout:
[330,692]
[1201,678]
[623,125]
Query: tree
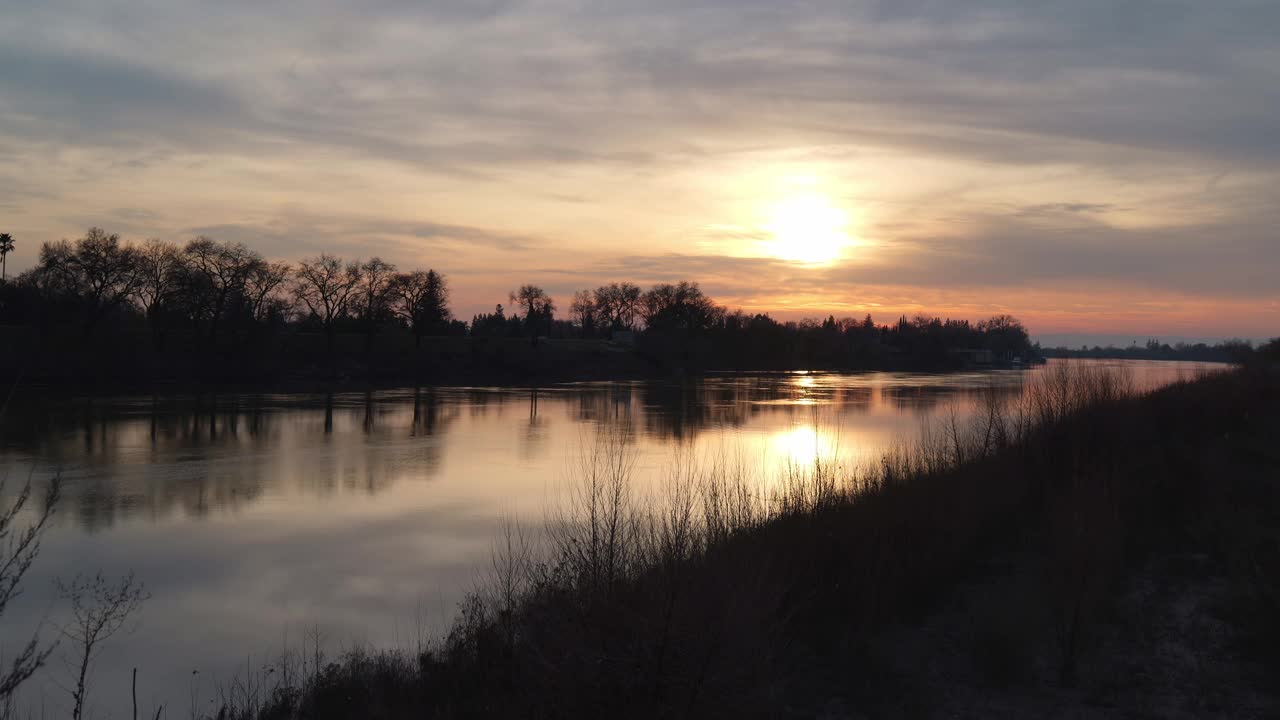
[261,290]
[216,274]
[584,311]
[97,270]
[373,297]
[19,547]
[421,299]
[538,308]
[99,610]
[6,247]
[495,324]
[619,303]
[681,307]
[325,286]
[159,274]
[1005,335]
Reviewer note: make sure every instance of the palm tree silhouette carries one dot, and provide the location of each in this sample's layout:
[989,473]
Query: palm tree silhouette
[6,247]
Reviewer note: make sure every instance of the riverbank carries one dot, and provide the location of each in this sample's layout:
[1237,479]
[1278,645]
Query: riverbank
[1083,553]
[135,361]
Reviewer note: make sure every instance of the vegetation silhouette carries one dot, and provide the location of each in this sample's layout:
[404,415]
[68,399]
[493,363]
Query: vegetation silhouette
[99,607]
[6,247]
[1228,351]
[97,309]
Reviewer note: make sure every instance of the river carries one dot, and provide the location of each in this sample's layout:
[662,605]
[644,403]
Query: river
[256,519]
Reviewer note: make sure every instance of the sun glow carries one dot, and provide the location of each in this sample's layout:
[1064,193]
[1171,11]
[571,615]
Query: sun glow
[807,229]
[802,446]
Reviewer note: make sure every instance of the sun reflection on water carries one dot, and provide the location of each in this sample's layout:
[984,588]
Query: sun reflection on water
[802,446]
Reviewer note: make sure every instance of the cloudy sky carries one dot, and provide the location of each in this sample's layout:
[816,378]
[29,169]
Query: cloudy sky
[1088,166]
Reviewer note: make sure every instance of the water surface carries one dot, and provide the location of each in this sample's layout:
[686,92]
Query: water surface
[254,518]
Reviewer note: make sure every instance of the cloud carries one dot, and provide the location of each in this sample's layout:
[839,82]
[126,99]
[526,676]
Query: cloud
[292,235]
[563,84]
[1066,207]
[69,98]
[988,253]
[1027,143]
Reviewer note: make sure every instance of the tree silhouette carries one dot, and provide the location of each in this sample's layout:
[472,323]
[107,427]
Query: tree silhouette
[17,554]
[160,274]
[99,610]
[216,274]
[538,308]
[1005,335]
[159,270]
[619,303]
[261,289]
[421,299]
[583,312]
[326,287]
[222,286]
[6,247]
[96,270]
[681,307]
[373,297]
[495,324]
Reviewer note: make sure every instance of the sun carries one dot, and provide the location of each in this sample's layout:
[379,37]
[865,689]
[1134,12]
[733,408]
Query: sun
[807,229]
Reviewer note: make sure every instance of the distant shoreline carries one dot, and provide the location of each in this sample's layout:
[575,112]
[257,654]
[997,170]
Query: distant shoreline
[299,361]
[301,385]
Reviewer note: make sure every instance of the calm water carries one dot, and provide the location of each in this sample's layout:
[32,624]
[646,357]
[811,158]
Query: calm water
[253,518]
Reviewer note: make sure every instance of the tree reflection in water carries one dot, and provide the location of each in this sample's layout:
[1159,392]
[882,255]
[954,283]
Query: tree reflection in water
[160,456]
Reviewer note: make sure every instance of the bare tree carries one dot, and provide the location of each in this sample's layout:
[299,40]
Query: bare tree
[421,299]
[262,287]
[96,269]
[373,303]
[19,547]
[583,311]
[99,610]
[326,287]
[218,273]
[619,303]
[159,266]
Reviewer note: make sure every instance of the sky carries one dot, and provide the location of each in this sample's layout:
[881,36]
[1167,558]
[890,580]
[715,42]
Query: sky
[1091,167]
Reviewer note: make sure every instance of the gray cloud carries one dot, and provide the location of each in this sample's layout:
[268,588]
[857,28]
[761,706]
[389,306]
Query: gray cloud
[568,85]
[1065,207]
[294,235]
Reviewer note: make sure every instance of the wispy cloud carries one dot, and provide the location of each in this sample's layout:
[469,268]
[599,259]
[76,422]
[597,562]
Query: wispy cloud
[991,143]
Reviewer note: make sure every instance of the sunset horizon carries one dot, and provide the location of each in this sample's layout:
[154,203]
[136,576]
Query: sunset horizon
[1091,171]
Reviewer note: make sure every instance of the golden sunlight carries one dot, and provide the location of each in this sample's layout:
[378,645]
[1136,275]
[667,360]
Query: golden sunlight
[807,229]
[802,446]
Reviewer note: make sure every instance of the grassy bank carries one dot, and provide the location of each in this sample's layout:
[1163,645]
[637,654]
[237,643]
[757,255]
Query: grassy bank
[1084,552]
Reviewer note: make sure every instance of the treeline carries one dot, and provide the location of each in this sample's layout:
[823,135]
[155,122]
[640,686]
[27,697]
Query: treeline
[223,296]
[220,289]
[679,325]
[1230,351]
